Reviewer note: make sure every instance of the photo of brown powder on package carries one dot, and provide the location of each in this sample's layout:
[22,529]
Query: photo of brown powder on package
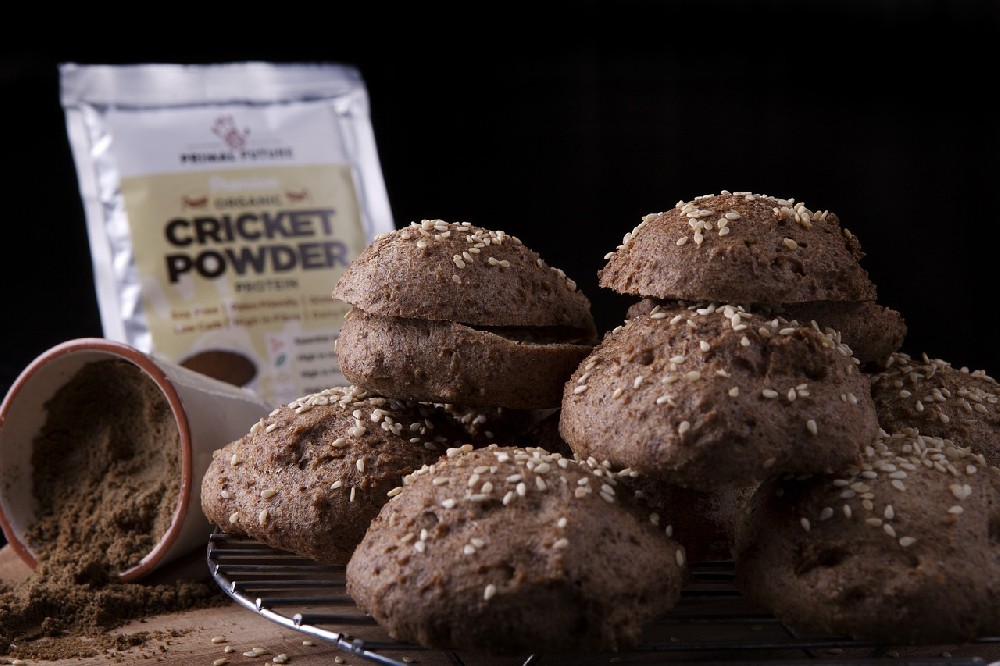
[106,478]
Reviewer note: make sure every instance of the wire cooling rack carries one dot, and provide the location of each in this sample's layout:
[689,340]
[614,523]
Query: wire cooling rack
[711,623]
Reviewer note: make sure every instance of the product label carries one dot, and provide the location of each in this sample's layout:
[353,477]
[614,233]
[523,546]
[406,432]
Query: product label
[237,268]
[223,203]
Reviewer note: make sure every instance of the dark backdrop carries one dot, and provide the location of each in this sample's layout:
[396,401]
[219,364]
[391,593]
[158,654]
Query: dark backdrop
[564,123]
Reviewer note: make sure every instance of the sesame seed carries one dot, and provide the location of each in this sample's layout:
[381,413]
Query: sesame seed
[805,524]
[769,393]
[812,427]
[961,491]
[561,543]
[680,557]
[790,244]
[704,346]
[489,591]
[234,516]
[218,639]
[906,541]
[683,427]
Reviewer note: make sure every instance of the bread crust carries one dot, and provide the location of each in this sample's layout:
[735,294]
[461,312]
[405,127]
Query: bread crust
[872,331]
[449,271]
[739,248]
[441,361]
[716,397]
[510,550]
[309,478]
[937,399]
[893,550]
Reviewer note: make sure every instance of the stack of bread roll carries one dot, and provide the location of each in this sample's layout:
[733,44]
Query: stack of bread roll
[499,478]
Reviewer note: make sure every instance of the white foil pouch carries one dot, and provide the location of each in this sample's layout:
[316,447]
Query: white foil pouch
[222,203]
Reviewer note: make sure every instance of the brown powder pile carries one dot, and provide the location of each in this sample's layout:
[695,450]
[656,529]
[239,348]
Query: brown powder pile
[106,478]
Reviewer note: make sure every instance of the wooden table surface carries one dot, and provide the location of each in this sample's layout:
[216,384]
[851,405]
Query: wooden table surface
[186,638]
[188,635]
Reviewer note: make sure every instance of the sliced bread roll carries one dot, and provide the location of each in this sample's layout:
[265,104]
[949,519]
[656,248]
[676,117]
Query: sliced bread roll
[451,312]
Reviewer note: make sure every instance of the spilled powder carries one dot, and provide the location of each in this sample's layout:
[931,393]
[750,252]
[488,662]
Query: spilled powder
[106,476]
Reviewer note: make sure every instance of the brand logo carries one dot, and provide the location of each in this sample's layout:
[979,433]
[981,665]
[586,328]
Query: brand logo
[225,128]
[236,146]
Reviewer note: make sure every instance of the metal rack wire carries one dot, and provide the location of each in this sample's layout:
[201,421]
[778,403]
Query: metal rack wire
[301,594]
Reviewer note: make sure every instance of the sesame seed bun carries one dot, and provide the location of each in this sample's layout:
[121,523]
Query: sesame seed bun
[939,400]
[453,313]
[309,478]
[901,548]
[717,397]
[447,271]
[739,248]
[509,550]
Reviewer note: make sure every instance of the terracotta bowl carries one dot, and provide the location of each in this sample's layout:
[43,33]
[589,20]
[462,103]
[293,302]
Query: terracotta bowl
[209,413]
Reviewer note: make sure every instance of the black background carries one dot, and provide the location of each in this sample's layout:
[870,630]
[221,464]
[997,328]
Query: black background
[564,123]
